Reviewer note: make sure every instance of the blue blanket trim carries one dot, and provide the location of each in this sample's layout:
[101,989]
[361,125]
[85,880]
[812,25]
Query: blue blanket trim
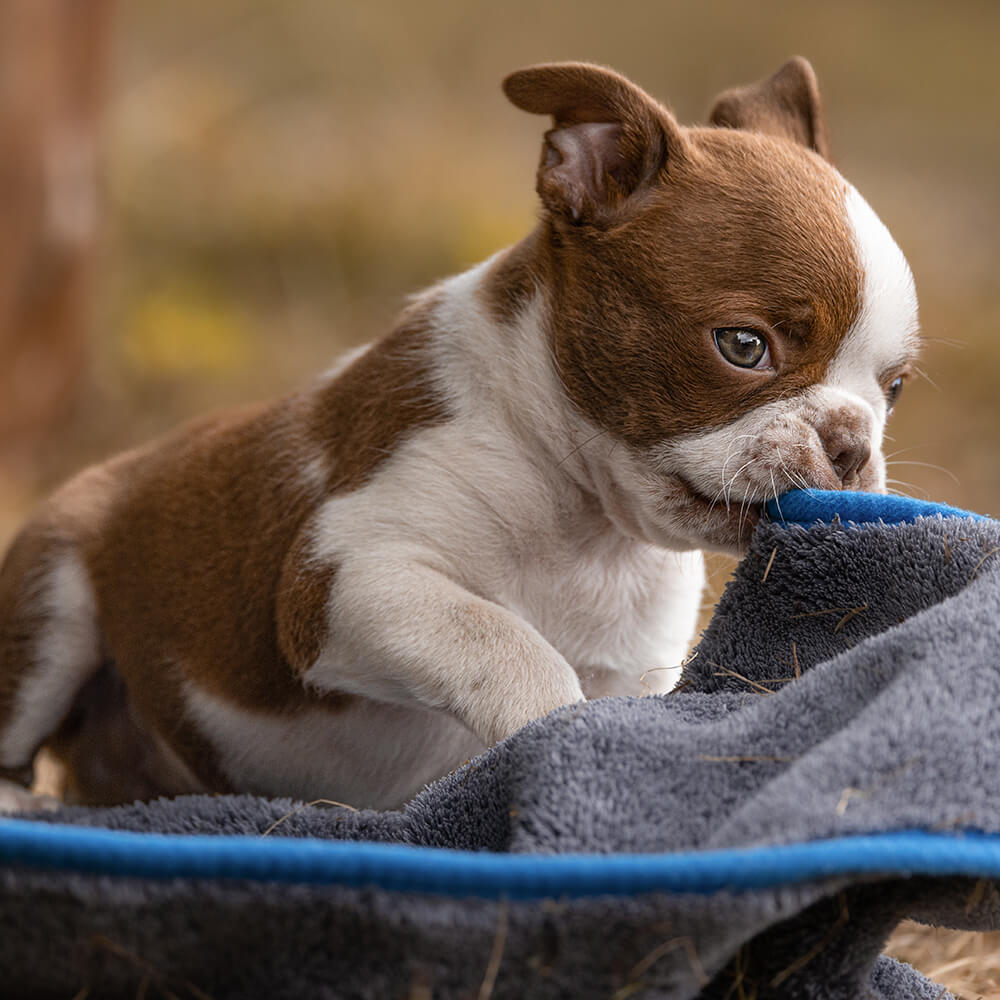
[805,507]
[437,871]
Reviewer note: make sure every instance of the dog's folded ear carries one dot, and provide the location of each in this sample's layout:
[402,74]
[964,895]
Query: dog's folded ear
[609,137]
[786,105]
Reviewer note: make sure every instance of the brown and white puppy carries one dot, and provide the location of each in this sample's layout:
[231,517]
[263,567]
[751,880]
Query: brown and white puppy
[497,509]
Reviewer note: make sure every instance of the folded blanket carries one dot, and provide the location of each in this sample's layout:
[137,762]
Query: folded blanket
[826,767]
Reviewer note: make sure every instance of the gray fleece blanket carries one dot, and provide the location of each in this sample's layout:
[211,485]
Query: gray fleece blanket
[827,767]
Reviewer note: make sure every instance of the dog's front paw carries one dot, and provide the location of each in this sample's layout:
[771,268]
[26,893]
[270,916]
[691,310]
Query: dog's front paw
[519,707]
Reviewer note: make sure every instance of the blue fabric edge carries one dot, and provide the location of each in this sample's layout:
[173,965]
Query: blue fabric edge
[805,507]
[445,872]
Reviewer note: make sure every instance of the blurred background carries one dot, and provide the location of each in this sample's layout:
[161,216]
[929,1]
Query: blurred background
[206,202]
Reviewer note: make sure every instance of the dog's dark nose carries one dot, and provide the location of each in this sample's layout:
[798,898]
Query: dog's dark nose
[848,452]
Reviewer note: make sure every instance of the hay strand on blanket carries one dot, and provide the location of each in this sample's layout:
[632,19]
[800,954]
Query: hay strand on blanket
[727,671]
[976,896]
[848,614]
[496,953]
[770,563]
[306,805]
[803,960]
[648,961]
[151,975]
[979,564]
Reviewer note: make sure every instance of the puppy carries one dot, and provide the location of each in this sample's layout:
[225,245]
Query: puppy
[496,510]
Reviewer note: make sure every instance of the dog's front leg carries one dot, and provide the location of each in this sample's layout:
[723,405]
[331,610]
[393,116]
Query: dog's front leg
[405,632]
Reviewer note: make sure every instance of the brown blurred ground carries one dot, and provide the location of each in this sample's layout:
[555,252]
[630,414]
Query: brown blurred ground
[277,176]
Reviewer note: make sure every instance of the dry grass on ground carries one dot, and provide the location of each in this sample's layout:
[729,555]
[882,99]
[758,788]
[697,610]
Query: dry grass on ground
[967,963]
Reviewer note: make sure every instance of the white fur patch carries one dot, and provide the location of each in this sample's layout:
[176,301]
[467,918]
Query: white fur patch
[496,506]
[885,331]
[367,755]
[66,654]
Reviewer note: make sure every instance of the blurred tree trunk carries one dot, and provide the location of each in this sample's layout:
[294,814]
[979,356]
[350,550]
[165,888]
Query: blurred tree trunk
[53,58]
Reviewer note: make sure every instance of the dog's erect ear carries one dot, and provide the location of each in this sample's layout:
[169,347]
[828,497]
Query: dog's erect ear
[786,105]
[609,137]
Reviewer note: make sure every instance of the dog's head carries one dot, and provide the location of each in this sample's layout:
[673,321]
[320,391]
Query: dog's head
[722,303]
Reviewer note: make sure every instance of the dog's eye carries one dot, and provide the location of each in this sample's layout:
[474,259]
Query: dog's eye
[892,393]
[741,347]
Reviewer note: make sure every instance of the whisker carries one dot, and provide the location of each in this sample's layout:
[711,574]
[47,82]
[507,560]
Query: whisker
[722,491]
[901,451]
[727,487]
[729,455]
[776,501]
[947,341]
[924,375]
[928,465]
[911,486]
[744,507]
[582,444]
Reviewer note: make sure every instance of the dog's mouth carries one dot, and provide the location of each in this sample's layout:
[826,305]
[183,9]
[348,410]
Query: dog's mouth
[715,522]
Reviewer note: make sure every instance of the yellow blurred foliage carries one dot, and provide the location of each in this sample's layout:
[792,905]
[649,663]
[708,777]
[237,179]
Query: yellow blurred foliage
[485,230]
[183,331]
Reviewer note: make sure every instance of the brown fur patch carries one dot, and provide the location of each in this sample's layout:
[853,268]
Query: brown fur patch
[515,278]
[303,625]
[750,233]
[361,416]
[786,104]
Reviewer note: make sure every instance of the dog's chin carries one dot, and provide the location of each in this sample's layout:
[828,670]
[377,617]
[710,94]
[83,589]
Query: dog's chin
[709,523]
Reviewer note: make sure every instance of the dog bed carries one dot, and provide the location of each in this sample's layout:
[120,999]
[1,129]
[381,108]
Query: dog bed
[826,767]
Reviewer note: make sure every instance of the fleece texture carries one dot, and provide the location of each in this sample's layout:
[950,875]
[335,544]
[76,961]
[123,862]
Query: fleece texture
[840,708]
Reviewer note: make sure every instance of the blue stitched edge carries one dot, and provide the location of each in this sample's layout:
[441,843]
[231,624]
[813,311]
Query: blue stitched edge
[805,507]
[439,871]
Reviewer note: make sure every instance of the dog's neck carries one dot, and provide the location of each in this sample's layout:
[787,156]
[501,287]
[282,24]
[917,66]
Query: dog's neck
[494,365]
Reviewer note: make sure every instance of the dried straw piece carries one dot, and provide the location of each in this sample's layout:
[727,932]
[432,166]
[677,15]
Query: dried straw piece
[804,960]
[635,983]
[496,953]
[770,563]
[306,805]
[991,552]
[848,613]
[726,671]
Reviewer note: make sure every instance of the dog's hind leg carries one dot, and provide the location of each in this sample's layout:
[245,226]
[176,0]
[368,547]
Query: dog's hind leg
[50,646]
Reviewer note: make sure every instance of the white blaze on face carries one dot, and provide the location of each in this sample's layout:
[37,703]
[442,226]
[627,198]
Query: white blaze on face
[884,335]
